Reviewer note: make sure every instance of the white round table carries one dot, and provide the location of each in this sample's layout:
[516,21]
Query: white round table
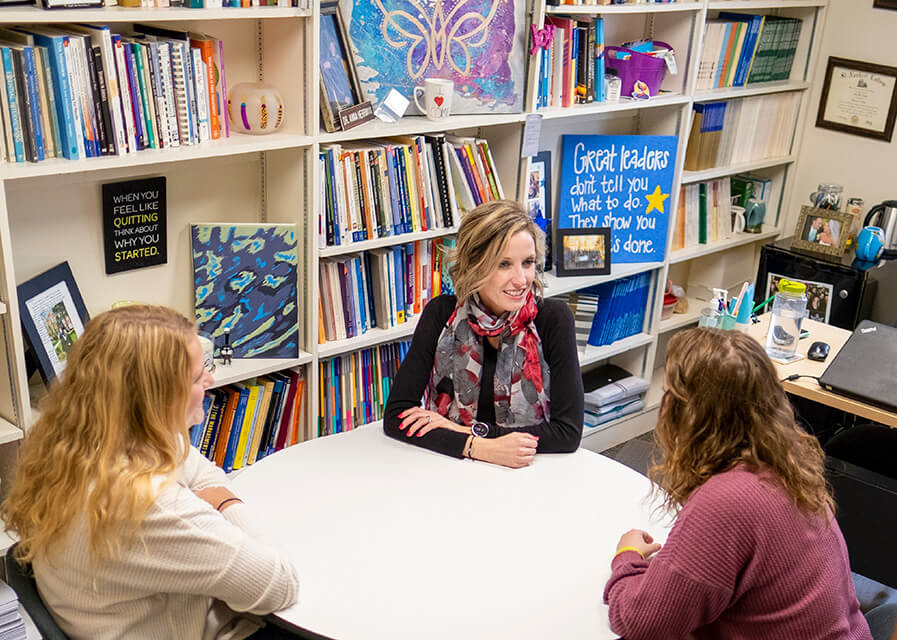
[393,541]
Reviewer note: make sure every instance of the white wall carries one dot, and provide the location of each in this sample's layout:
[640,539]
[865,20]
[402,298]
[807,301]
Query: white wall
[866,167]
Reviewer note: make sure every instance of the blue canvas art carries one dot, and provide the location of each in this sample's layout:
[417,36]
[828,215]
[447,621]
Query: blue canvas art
[245,279]
[478,44]
[621,182]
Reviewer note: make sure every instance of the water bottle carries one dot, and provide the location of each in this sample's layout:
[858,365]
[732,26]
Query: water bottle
[788,310]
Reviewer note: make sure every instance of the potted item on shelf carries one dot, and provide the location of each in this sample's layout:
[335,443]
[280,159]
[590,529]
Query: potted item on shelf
[255,108]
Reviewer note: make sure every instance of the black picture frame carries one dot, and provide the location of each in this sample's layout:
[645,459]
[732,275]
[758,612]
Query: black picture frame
[539,204]
[574,249]
[885,4]
[341,89]
[859,67]
[51,310]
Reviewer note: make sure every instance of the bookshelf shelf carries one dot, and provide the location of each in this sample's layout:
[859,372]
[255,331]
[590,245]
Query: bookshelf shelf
[9,432]
[36,15]
[415,125]
[730,170]
[739,239]
[244,368]
[592,355]
[725,5]
[372,338]
[389,241]
[235,145]
[759,89]
[555,286]
[679,320]
[598,108]
[622,9]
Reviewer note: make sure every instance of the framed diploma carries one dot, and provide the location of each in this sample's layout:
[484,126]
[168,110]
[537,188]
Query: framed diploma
[859,98]
[885,4]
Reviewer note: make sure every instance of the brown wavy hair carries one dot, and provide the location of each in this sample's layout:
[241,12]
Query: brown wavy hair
[107,432]
[724,405]
[482,236]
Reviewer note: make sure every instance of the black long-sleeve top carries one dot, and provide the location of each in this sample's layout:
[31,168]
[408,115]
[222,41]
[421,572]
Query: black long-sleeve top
[554,323]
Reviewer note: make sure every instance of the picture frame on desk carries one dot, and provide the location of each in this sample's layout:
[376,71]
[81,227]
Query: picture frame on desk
[53,317]
[583,252]
[822,231]
[341,90]
[538,197]
[859,98]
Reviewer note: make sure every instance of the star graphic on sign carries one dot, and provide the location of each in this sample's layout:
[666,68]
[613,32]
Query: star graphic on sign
[655,200]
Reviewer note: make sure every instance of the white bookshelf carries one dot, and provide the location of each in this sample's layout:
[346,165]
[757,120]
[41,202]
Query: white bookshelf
[50,212]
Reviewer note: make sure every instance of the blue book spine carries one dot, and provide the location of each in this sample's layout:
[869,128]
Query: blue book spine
[234,436]
[337,229]
[600,94]
[399,261]
[393,190]
[15,120]
[722,55]
[34,99]
[276,400]
[362,293]
[62,87]
[136,104]
[402,189]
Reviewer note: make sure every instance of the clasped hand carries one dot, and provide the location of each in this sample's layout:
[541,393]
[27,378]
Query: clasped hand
[641,540]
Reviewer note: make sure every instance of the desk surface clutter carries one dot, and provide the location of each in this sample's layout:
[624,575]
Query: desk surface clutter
[393,541]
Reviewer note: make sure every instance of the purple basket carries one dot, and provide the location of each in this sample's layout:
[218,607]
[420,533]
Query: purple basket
[638,66]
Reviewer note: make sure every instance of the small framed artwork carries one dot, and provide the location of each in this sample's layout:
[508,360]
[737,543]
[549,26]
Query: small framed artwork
[341,90]
[538,197]
[859,98]
[822,231]
[53,316]
[583,252]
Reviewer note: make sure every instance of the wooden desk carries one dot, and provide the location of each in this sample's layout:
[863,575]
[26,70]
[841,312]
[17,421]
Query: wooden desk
[809,388]
[393,541]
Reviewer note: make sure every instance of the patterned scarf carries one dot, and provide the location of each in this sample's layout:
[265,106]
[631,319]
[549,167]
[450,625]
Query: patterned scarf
[521,384]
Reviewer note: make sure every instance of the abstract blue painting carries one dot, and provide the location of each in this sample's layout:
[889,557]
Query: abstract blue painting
[479,44]
[245,278]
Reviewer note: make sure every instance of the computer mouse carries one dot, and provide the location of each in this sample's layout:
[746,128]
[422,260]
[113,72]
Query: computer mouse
[818,351]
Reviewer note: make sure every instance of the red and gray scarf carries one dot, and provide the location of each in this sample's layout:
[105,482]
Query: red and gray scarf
[521,383]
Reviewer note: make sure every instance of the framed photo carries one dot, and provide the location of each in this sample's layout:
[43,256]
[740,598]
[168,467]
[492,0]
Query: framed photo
[859,98]
[583,252]
[819,295]
[341,90]
[538,197]
[822,231]
[885,4]
[53,316]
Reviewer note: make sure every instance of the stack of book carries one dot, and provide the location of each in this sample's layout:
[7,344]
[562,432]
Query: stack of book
[583,304]
[610,393]
[379,288]
[244,422]
[742,49]
[704,214]
[12,627]
[571,70]
[621,309]
[381,188]
[353,388]
[81,91]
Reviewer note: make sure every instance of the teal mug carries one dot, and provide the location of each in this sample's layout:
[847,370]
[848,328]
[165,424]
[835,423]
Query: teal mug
[870,243]
[754,214]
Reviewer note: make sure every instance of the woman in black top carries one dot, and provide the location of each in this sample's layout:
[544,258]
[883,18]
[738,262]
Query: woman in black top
[498,364]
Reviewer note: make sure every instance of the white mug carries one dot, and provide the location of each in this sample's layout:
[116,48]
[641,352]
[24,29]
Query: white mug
[737,219]
[437,95]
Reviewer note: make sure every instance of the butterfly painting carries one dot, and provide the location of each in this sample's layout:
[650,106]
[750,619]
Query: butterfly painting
[478,44]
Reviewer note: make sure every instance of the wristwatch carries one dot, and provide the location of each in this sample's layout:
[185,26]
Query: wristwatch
[479,429]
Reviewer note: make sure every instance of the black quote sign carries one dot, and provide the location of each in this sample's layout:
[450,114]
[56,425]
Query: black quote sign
[134,226]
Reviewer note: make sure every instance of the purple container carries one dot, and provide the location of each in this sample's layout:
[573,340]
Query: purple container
[632,66]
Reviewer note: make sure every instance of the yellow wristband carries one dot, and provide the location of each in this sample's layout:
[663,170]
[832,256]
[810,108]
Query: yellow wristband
[622,549]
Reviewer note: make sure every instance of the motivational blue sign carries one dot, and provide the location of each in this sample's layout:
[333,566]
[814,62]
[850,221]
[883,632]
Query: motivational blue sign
[621,182]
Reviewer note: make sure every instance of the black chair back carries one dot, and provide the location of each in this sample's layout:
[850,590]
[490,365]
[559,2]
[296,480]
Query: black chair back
[21,579]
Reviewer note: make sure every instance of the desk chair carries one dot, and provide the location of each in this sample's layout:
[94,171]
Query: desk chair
[21,579]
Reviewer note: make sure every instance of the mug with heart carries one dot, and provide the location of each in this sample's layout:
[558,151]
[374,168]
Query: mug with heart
[437,98]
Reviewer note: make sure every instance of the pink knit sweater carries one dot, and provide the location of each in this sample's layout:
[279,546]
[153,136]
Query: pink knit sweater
[741,562]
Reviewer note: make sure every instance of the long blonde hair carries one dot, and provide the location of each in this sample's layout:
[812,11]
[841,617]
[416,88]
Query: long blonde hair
[482,237]
[724,406]
[107,429]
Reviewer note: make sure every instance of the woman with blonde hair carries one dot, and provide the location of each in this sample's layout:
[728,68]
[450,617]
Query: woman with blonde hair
[755,552]
[130,531]
[496,364]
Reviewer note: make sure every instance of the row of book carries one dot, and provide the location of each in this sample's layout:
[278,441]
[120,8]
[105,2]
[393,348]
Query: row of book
[80,91]
[571,71]
[381,188]
[244,422]
[742,49]
[353,388]
[725,133]
[378,288]
[609,311]
[606,2]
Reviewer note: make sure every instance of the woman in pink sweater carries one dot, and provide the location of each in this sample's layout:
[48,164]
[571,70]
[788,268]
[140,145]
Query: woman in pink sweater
[755,553]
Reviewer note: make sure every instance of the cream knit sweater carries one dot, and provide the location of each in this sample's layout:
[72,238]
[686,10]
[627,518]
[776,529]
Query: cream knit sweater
[184,578]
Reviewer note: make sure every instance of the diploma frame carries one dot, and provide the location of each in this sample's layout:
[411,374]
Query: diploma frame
[862,68]
[885,4]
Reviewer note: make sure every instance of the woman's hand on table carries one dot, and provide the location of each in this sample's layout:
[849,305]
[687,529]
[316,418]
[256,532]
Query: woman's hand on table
[513,450]
[417,421]
[642,541]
